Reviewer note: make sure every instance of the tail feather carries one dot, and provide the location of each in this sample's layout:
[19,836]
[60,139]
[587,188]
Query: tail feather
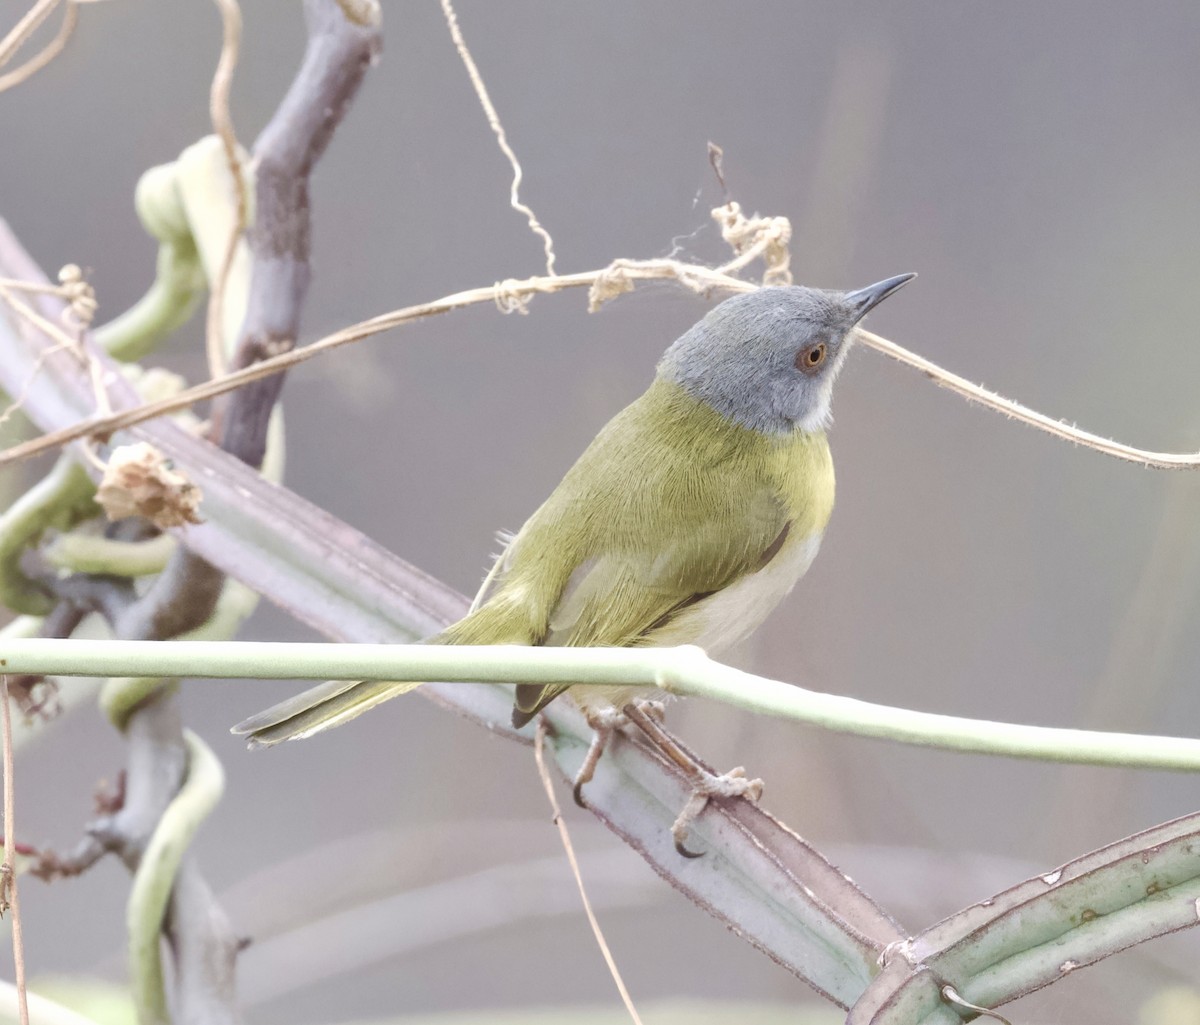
[531,698]
[318,709]
[330,704]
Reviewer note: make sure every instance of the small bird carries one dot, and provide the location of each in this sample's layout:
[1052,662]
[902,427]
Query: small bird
[688,518]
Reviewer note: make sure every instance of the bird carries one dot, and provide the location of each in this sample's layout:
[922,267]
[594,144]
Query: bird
[687,520]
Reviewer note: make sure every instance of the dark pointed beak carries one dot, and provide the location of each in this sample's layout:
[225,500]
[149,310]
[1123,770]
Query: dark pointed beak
[866,299]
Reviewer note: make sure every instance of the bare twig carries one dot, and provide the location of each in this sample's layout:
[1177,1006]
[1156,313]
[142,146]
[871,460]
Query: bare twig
[63,340]
[493,119]
[222,120]
[18,402]
[539,744]
[10,845]
[33,287]
[72,286]
[24,28]
[1015,411]
[48,865]
[615,278]
[51,50]
[56,331]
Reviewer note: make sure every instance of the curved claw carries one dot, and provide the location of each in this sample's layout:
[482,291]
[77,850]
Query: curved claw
[679,830]
[587,770]
[577,793]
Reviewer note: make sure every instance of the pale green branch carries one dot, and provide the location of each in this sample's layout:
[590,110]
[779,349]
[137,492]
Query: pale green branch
[683,670]
[155,876]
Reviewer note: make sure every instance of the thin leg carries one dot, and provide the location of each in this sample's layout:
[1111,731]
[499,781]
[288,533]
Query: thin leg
[588,769]
[705,784]
[603,723]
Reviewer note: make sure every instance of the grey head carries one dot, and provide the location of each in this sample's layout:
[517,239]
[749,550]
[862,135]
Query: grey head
[768,359]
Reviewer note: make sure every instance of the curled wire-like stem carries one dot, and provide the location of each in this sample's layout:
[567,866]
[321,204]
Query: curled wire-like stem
[493,119]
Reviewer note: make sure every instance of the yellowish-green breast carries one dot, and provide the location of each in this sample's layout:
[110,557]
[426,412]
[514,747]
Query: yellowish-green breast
[801,467]
[670,503]
[792,477]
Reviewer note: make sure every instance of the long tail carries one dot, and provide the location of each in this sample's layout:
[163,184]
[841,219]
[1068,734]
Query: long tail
[316,710]
[338,701]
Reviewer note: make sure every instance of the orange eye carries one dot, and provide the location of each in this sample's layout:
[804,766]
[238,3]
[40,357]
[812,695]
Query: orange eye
[809,360]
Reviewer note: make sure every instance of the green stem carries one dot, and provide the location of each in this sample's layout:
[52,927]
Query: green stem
[684,670]
[168,303]
[93,553]
[54,501]
[156,875]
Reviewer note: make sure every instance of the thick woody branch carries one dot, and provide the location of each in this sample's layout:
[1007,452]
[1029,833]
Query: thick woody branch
[337,57]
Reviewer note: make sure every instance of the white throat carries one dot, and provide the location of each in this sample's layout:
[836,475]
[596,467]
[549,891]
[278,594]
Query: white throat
[821,415]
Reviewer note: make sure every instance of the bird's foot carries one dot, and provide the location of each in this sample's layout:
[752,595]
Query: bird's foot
[706,785]
[604,722]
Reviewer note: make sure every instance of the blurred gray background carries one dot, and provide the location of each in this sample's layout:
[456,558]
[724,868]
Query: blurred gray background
[1036,163]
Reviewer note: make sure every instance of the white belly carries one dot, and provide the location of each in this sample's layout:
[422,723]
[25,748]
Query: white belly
[721,620]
